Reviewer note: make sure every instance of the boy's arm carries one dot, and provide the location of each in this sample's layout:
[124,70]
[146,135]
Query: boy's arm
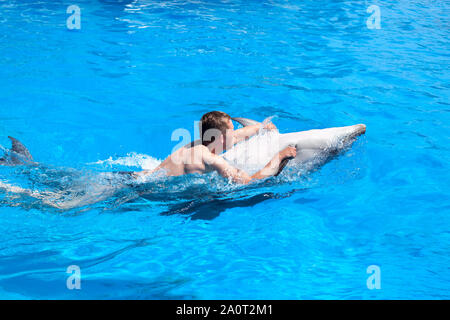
[238,176]
[247,132]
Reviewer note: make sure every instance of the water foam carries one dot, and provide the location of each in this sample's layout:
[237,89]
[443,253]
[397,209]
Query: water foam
[132,159]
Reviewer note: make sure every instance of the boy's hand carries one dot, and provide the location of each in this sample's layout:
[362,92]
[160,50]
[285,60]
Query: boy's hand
[270,126]
[288,152]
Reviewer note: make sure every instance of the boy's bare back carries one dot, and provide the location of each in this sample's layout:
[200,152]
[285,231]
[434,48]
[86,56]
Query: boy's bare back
[188,159]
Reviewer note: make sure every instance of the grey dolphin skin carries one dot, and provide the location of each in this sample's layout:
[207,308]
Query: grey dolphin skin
[245,122]
[17,155]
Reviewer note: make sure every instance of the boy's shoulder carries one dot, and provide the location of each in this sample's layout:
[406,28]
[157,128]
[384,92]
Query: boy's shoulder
[197,149]
[202,153]
[201,149]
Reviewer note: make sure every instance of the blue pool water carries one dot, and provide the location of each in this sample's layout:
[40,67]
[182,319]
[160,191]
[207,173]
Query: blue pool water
[108,97]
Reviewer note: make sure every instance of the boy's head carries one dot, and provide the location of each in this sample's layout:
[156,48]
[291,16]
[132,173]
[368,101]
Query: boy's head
[214,125]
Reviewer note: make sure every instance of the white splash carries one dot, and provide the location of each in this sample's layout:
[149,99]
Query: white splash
[253,154]
[132,159]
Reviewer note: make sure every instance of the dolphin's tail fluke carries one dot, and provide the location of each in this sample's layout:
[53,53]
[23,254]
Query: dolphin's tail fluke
[17,155]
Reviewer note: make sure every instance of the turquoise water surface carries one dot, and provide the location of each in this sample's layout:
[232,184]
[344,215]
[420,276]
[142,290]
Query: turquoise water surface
[107,97]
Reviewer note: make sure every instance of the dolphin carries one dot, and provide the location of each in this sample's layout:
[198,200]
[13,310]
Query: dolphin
[17,155]
[314,147]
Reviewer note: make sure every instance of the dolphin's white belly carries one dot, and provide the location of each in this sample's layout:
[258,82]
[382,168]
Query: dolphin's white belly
[312,146]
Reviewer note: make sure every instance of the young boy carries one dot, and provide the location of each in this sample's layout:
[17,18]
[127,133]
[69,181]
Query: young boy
[217,135]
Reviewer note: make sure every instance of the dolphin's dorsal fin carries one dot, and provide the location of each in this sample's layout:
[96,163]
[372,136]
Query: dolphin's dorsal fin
[246,122]
[19,148]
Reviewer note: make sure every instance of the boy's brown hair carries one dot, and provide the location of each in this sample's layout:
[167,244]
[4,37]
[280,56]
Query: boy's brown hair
[213,120]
